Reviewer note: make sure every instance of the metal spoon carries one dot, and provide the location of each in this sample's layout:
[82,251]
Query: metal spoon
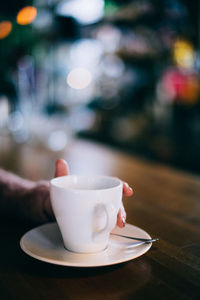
[137,239]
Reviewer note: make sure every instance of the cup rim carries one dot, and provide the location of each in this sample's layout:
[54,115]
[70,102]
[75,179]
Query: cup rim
[53,182]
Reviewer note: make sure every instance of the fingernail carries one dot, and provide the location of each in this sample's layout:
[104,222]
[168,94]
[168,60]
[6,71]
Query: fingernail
[128,186]
[124,221]
[131,190]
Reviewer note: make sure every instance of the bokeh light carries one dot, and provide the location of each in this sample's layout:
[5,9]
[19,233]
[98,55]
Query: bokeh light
[181,86]
[113,66]
[183,54]
[86,53]
[16,125]
[109,36]
[57,140]
[84,11]
[79,78]
[26,15]
[5,29]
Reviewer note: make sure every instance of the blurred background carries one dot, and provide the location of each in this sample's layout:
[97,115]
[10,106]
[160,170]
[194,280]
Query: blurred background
[123,73]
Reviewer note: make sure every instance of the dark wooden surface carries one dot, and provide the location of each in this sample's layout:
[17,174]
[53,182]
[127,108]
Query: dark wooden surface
[166,204]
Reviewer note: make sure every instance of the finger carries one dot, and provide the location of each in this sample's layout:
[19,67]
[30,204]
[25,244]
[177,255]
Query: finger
[121,217]
[37,207]
[127,190]
[62,168]
[48,210]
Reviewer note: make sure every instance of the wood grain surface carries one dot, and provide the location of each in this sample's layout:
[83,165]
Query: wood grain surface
[166,203]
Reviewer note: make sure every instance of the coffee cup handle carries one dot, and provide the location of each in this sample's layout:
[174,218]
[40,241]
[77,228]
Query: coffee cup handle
[110,220]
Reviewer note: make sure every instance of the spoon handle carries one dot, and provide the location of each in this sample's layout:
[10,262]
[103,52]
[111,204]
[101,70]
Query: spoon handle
[137,239]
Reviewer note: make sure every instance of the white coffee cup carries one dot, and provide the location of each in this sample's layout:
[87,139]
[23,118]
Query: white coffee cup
[86,210]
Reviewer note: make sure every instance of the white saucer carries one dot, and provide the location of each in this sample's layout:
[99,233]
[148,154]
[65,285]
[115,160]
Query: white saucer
[45,243]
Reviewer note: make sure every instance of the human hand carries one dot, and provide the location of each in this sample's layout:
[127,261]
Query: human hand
[121,216]
[29,201]
[37,207]
[43,211]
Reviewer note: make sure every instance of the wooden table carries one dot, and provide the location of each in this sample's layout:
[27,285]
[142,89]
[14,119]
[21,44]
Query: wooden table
[166,204]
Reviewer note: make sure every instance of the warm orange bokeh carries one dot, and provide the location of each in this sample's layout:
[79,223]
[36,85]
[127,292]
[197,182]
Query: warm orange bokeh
[5,29]
[26,15]
[183,87]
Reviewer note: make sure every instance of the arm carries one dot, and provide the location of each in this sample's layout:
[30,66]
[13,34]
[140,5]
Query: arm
[29,201]
[23,199]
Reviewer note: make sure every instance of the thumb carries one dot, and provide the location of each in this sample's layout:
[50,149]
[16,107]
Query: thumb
[62,168]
